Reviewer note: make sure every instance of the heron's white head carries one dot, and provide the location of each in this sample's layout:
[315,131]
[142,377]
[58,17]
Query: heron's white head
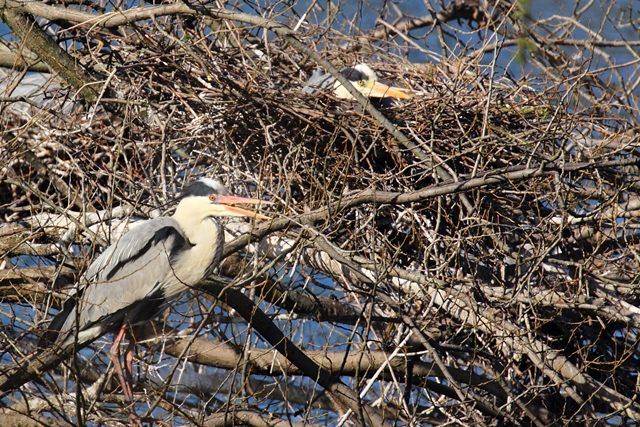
[365,80]
[206,197]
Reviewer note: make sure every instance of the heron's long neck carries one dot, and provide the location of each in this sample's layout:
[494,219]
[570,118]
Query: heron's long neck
[205,237]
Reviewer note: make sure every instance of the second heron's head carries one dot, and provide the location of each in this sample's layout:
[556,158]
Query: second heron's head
[206,197]
[365,80]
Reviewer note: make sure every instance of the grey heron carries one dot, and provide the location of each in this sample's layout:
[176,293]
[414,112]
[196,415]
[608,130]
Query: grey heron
[363,78]
[42,89]
[138,276]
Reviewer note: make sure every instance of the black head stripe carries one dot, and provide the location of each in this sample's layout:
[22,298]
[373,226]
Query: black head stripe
[203,188]
[353,74]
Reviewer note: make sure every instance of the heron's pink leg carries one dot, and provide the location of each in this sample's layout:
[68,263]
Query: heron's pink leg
[128,360]
[128,371]
[115,359]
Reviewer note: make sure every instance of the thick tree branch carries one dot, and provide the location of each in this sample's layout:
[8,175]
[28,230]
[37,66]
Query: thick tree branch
[261,322]
[37,41]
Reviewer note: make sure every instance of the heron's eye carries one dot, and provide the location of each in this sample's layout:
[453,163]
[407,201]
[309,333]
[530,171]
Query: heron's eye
[213,197]
[361,82]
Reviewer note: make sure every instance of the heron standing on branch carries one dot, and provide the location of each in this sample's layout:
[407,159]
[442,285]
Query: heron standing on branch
[363,78]
[137,277]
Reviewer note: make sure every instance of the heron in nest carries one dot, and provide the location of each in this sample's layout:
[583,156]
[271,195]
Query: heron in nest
[362,77]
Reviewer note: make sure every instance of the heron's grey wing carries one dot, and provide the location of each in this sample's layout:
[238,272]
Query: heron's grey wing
[42,89]
[136,291]
[319,81]
[129,246]
[125,282]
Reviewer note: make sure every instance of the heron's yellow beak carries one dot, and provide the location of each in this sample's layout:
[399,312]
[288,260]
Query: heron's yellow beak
[225,203]
[381,90]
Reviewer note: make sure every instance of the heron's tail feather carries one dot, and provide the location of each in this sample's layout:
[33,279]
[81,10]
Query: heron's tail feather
[50,336]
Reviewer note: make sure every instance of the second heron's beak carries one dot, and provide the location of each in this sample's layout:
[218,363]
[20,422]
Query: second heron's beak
[381,90]
[225,202]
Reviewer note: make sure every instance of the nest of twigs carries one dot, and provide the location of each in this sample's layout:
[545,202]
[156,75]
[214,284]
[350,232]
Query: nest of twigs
[203,110]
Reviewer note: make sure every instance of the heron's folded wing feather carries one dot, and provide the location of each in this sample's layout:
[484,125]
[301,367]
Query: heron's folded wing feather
[130,246]
[136,289]
[127,274]
[319,81]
